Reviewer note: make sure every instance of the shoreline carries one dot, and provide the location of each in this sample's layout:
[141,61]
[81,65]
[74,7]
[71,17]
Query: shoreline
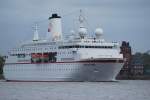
[1,77]
[143,77]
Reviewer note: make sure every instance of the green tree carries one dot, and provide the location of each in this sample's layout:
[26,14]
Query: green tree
[146,59]
[1,64]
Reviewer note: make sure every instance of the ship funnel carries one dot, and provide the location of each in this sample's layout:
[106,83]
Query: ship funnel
[55,27]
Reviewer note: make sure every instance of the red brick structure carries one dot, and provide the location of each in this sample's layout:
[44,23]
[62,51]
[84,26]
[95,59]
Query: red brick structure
[127,55]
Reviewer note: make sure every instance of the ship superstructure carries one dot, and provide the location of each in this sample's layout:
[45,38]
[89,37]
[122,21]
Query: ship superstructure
[79,58]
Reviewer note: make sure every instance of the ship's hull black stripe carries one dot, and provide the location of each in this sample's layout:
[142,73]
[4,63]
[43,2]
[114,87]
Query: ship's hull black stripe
[91,61]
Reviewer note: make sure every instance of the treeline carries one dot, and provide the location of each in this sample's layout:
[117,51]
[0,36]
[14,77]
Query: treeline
[2,61]
[145,57]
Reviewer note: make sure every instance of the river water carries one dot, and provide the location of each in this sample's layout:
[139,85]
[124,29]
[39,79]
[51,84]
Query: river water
[121,90]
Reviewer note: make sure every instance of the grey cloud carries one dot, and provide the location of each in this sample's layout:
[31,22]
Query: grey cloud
[120,19]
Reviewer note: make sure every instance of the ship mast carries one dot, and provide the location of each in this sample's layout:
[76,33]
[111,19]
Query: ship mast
[81,19]
[36,34]
[82,30]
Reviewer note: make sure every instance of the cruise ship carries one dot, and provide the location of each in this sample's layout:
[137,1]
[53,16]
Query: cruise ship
[79,57]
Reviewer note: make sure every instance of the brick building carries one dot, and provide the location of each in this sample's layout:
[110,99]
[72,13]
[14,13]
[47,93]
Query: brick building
[127,55]
[133,65]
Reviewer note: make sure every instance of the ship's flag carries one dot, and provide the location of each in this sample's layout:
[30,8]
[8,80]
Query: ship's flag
[49,27]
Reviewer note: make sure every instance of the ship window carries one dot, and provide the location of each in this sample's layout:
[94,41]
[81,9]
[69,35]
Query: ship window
[82,46]
[70,46]
[21,55]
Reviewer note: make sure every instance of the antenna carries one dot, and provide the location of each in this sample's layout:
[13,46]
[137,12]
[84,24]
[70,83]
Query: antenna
[81,19]
[82,30]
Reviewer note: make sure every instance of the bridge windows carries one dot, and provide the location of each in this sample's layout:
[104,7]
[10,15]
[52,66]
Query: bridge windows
[21,55]
[82,46]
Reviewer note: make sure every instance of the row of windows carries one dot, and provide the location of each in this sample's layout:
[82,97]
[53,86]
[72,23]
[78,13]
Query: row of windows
[44,69]
[61,47]
[94,41]
[38,44]
[22,55]
[79,46]
[65,53]
[34,49]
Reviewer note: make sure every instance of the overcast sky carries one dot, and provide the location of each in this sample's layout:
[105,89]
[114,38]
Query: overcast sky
[121,20]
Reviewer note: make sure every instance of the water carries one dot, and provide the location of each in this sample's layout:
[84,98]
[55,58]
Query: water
[122,90]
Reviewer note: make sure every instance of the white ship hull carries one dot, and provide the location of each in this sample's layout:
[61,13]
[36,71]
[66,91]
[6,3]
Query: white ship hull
[62,71]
